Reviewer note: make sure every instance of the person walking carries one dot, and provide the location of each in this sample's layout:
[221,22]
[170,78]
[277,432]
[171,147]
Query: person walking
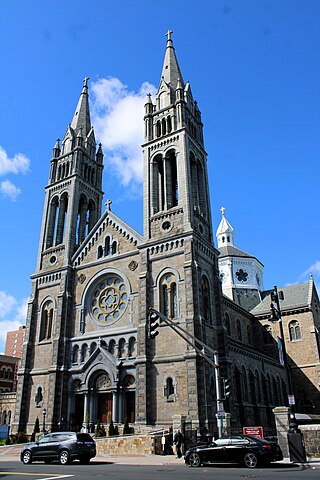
[177,442]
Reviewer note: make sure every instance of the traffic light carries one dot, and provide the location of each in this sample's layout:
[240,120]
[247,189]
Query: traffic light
[154,322]
[226,387]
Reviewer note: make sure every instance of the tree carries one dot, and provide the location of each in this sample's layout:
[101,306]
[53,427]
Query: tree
[111,431]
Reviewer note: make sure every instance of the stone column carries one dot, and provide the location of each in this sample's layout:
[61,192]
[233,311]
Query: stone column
[85,410]
[114,407]
[282,425]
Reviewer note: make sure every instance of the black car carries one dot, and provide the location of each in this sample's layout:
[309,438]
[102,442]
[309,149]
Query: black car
[250,451]
[62,446]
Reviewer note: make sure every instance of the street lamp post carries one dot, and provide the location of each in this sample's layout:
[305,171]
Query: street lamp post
[44,413]
[276,316]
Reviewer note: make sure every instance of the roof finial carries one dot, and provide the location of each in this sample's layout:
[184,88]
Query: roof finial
[169,33]
[108,204]
[222,210]
[85,81]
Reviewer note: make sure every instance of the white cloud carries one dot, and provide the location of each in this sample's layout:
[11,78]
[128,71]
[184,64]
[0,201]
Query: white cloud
[314,269]
[19,163]
[10,190]
[7,302]
[118,120]
[9,307]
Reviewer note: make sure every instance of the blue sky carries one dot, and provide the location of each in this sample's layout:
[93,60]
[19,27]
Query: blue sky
[254,68]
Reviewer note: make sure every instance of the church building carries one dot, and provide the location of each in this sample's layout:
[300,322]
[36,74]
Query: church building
[86,355]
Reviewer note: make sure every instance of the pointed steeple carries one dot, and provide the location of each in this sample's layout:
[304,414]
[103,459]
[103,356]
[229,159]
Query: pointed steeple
[225,232]
[81,118]
[171,73]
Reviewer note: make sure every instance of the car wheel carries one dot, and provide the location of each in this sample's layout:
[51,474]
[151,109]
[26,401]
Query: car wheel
[84,459]
[64,457]
[26,457]
[250,460]
[194,460]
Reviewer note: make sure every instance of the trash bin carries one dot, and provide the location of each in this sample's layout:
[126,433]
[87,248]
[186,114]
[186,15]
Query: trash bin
[296,447]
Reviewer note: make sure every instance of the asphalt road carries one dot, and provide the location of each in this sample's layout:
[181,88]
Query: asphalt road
[15,470]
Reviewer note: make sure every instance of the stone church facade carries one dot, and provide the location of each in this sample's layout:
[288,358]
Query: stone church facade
[86,354]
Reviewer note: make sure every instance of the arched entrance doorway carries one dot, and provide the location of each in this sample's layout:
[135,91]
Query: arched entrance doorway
[104,398]
[129,393]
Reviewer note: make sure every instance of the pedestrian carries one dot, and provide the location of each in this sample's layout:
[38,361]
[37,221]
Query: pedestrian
[177,442]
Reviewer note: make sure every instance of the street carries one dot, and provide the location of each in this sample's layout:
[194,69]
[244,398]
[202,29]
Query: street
[15,470]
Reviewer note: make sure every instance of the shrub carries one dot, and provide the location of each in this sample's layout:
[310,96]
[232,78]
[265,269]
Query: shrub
[99,431]
[126,428]
[111,431]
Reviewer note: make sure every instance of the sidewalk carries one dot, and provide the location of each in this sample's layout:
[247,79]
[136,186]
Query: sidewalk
[11,453]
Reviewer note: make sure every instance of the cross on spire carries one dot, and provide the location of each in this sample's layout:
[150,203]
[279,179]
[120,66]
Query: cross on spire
[85,81]
[169,33]
[222,210]
[108,204]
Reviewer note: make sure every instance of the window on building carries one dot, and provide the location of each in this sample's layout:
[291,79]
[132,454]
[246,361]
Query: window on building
[239,330]
[205,304]
[46,321]
[227,323]
[267,334]
[169,389]
[168,296]
[294,330]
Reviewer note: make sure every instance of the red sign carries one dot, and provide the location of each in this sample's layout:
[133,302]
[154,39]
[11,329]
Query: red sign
[253,431]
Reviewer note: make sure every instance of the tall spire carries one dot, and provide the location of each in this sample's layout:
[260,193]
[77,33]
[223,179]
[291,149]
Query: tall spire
[81,118]
[170,71]
[225,232]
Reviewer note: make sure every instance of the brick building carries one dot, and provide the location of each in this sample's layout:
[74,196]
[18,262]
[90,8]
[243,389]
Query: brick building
[14,342]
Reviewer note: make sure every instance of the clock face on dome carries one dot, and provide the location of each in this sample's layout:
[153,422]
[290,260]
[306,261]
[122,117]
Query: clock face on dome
[242,275]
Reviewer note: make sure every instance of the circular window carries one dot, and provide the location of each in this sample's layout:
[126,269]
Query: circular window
[109,300]
[166,225]
[53,259]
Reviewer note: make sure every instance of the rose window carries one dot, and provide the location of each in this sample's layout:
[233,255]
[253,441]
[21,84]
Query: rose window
[109,300]
[242,275]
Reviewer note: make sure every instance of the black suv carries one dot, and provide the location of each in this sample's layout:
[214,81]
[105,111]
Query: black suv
[62,446]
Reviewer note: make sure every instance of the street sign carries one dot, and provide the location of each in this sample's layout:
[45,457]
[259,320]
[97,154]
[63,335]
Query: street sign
[221,415]
[253,431]
[220,406]
[291,400]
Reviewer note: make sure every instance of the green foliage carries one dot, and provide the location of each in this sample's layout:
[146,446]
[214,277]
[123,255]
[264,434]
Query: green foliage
[99,431]
[37,426]
[19,438]
[126,428]
[112,430]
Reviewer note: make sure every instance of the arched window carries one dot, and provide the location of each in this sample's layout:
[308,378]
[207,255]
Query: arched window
[169,389]
[252,388]
[267,334]
[75,354]
[249,334]
[107,246]
[84,350]
[46,321]
[205,304]
[132,347]
[158,128]
[164,126]
[100,251]
[294,330]
[122,348]
[169,124]
[227,323]
[112,347]
[93,346]
[239,330]
[244,384]
[168,296]
[114,247]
